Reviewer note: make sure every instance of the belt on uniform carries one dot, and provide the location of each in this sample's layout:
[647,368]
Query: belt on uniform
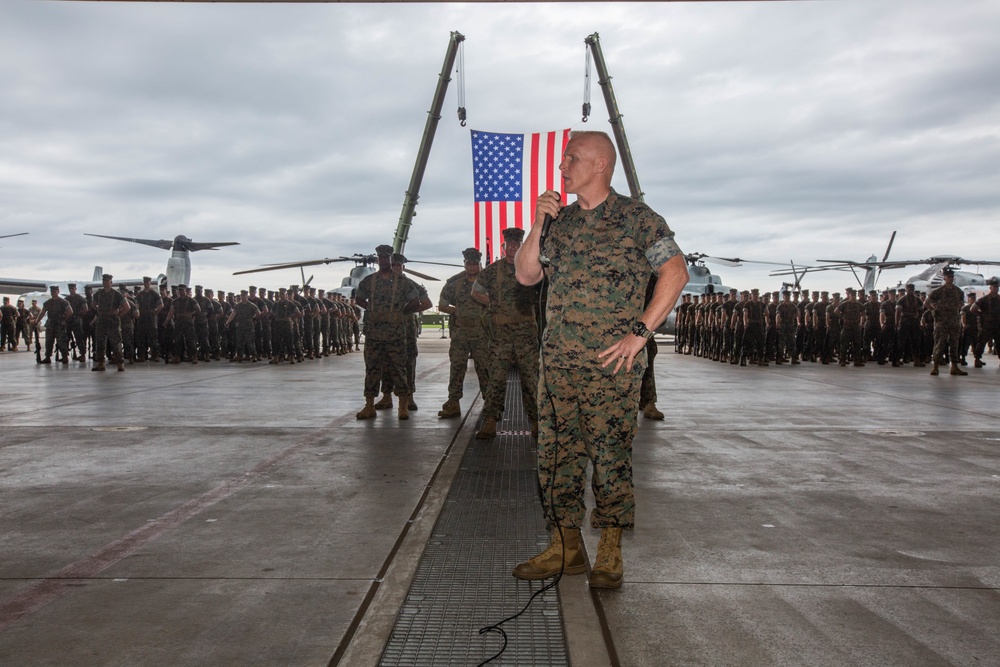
[387,317]
[503,319]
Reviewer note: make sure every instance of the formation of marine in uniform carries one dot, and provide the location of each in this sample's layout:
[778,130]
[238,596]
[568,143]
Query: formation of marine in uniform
[172,326]
[894,327]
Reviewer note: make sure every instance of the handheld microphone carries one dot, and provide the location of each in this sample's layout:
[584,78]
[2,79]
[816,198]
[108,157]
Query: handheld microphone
[546,223]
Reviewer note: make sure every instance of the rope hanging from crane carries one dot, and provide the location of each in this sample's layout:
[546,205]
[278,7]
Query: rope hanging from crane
[586,82]
[460,75]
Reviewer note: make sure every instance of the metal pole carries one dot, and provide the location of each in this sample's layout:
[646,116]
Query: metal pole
[433,116]
[617,126]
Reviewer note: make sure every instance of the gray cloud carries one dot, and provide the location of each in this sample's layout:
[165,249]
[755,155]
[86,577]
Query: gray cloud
[765,130]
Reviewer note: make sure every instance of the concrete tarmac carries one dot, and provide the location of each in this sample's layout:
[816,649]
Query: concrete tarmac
[239,514]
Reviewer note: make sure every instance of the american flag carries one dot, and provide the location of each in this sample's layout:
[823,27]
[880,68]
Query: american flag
[509,171]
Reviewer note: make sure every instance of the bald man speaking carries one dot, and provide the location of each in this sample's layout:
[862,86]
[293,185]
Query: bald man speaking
[598,254]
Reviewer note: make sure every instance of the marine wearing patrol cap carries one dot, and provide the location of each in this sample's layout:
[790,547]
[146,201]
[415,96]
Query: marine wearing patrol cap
[383,250]
[106,276]
[513,234]
[398,258]
[472,256]
[993,280]
[71,285]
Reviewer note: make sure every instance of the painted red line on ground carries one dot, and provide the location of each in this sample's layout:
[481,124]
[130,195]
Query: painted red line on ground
[44,591]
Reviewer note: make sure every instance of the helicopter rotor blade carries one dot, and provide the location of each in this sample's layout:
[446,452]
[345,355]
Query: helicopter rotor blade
[420,275]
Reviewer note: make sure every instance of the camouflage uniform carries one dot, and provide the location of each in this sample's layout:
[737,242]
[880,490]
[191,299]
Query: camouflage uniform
[851,312]
[146,334]
[244,315]
[468,336]
[55,310]
[988,308]
[107,327]
[788,331]
[947,301]
[185,308]
[599,265]
[908,330]
[74,327]
[284,312]
[127,322]
[385,332]
[514,329]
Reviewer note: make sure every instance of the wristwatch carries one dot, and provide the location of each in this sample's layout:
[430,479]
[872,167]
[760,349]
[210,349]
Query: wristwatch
[639,329]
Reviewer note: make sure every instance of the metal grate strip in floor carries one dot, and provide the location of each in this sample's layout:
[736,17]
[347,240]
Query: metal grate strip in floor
[491,520]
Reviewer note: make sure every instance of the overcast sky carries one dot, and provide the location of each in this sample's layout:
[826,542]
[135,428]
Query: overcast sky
[768,131]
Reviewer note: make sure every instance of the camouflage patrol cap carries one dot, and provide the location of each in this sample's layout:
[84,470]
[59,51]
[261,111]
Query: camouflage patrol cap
[253,289]
[147,279]
[755,291]
[948,271]
[198,287]
[122,288]
[816,293]
[733,290]
[472,256]
[71,285]
[106,276]
[910,286]
[282,290]
[383,250]
[513,234]
[993,280]
[836,295]
[849,290]
[243,291]
[398,258]
[294,288]
[823,293]
[181,286]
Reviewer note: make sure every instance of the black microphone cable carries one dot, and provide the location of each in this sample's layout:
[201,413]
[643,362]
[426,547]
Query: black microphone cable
[496,627]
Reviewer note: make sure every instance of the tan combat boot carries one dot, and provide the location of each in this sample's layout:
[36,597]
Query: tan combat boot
[121,366]
[99,366]
[566,546]
[412,405]
[650,411]
[489,429]
[934,369]
[956,370]
[385,403]
[367,412]
[450,409]
[403,412]
[607,571]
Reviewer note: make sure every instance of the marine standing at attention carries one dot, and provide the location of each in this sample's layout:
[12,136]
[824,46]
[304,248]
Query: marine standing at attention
[389,298]
[597,257]
[468,336]
[57,312]
[946,302]
[514,331]
[110,305]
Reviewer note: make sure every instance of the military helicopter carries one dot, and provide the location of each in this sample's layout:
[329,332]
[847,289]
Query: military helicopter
[179,263]
[930,278]
[365,265]
[926,281]
[873,268]
[701,281]
[178,270]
